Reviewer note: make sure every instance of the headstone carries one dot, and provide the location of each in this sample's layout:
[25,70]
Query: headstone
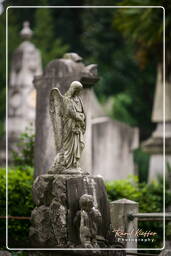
[154,145]
[113,141]
[59,73]
[72,209]
[26,63]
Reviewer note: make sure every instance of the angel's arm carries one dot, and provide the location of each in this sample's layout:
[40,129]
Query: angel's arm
[70,111]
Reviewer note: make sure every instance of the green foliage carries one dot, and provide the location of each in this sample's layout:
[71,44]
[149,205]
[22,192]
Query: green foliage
[140,192]
[120,75]
[168,231]
[24,155]
[141,160]
[13,40]
[19,204]
[50,47]
[20,253]
[148,35]
[121,103]
[123,189]
[143,27]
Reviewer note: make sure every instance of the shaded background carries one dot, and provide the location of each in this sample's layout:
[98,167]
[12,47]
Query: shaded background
[127,70]
[127,55]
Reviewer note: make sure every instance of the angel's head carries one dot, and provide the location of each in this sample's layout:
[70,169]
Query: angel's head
[74,89]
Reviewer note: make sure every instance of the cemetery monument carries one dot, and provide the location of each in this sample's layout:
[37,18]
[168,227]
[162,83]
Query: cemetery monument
[119,139]
[72,209]
[154,145]
[26,63]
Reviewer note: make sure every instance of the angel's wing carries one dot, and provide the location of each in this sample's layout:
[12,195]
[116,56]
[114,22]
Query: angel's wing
[56,112]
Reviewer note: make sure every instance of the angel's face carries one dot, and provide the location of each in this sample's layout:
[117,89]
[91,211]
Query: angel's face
[76,90]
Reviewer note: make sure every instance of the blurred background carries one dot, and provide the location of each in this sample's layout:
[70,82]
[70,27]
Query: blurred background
[127,54]
[127,46]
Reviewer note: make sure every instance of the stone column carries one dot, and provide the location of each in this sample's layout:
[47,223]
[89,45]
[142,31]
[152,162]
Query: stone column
[154,145]
[26,63]
[119,211]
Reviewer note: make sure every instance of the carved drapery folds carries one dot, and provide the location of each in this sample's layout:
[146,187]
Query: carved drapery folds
[68,119]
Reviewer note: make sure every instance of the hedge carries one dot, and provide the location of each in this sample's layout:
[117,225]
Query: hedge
[19,204]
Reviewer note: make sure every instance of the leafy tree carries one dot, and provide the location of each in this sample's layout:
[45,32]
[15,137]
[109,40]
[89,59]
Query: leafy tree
[143,27]
[68,24]
[148,36]
[45,40]
[121,76]
[13,40]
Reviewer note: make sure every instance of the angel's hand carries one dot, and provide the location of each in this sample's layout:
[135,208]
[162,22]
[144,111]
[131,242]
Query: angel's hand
[81,117]
[82,123]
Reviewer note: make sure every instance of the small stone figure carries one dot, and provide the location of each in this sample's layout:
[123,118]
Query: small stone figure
[88,219]
[68,119]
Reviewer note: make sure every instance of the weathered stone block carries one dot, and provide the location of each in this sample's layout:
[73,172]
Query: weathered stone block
[42,190]
[57,203]
[40,232]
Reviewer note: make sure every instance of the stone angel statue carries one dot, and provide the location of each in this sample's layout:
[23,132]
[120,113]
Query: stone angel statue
[69,124]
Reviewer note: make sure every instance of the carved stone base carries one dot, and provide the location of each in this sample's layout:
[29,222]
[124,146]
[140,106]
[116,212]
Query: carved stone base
[57,204]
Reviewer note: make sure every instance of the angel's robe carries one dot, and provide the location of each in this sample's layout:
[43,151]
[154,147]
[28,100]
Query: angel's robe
[73,131]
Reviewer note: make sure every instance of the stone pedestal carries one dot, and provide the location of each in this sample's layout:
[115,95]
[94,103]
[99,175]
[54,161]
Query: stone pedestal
[154,146]
[57,205]
[122,208]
